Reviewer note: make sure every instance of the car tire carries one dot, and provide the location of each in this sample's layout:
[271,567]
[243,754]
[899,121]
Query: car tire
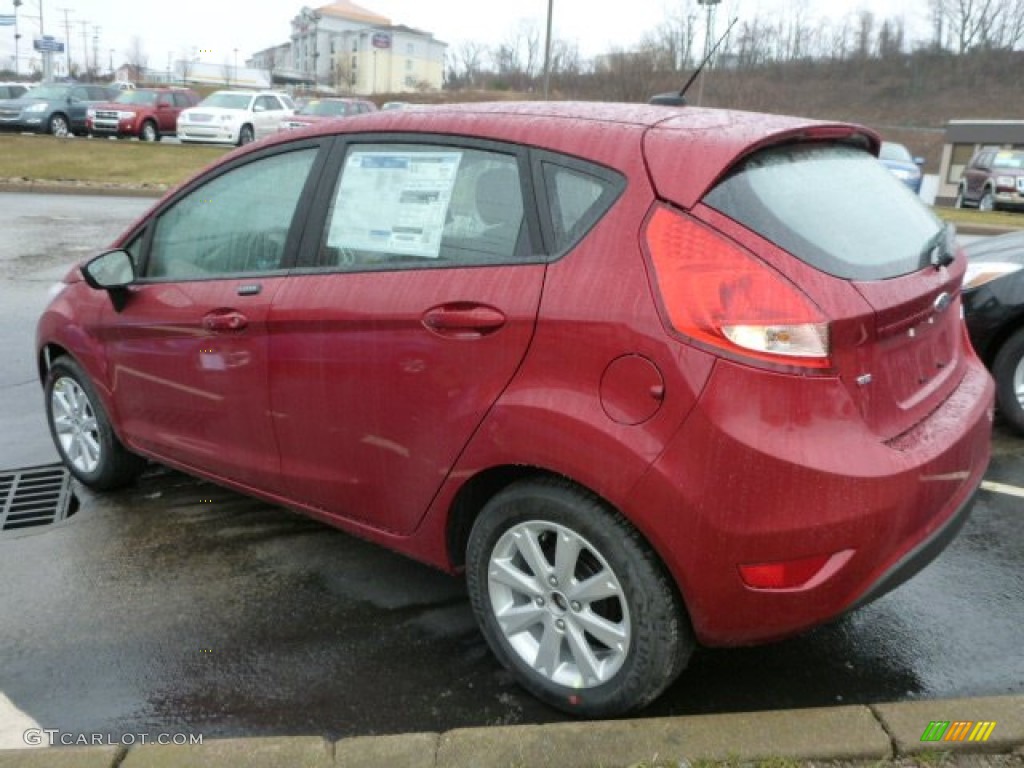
[148,132]
[1008,371]
[245,135]
[58,126]
[987,202]
[588,645]
[82,432]
[959,201]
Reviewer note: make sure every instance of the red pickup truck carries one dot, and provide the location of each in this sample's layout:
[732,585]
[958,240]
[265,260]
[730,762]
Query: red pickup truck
[147,113]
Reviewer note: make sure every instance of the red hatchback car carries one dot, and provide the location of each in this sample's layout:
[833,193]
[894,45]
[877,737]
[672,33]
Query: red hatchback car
[646,374]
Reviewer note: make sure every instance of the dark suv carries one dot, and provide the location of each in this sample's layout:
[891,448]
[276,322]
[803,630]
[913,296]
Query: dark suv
[55,108]
[147,113]
[993,179]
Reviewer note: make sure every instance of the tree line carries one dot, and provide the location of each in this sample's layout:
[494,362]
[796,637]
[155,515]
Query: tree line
[972,38]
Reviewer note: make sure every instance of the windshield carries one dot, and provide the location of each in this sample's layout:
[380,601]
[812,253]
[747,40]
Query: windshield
[324,108]
[832,206]
[137,97]
[1010,160]
[895,152]
[227,100]
[48,92]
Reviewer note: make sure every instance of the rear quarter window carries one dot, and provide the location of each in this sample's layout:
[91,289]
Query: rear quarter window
[834,207]
[578,195]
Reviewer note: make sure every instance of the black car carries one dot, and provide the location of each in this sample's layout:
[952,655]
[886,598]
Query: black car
[994,307]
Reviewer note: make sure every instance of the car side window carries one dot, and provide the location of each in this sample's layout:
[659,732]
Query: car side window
[235,224]
[268,103]
[180,100]
[577,200]
[419,206]
[79,94]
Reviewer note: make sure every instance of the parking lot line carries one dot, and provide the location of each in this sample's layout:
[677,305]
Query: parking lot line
[1008,490]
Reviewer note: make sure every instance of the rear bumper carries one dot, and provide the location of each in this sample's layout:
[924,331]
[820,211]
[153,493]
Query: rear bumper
[921,555]
[769,472]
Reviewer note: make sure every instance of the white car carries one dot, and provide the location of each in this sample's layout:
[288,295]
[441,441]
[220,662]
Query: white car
[234,117]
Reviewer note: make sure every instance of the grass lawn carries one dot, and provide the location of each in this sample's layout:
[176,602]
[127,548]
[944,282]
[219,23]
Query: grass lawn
[101,160]
[970,216]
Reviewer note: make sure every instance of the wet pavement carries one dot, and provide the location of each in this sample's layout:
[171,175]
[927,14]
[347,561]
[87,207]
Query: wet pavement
[178,606]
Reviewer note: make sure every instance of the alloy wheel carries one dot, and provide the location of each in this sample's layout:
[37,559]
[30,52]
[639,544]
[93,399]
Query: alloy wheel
[559,604]
[75,425]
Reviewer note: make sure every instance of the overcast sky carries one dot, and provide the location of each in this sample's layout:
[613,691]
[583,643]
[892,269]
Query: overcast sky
[218,27]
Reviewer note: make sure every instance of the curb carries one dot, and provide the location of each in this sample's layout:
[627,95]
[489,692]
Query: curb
[83,188]
[878,732]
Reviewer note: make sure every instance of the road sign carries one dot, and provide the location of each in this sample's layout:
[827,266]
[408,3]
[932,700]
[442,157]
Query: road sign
[381,40]
[48,44]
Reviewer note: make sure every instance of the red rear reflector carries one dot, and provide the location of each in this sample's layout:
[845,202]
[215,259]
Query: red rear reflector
[785,574]
[716,292]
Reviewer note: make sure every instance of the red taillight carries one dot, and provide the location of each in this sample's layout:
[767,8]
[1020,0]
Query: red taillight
[786,574]
[717,293]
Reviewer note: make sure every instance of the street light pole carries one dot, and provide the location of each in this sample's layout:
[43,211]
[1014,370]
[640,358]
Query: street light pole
[17,36]
[547,51]
[709,33]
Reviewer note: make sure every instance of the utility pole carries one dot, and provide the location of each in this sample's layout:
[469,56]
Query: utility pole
[547,51]
[709,33]
[85,46]
[67,40]
[96,50]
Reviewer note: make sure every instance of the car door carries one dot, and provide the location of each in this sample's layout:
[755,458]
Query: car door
[78,104]
[267,114]
[415,305]
[166,113]
[976,173]
[187,353]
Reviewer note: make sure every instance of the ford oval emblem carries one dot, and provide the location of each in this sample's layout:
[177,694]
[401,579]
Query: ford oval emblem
[942,302]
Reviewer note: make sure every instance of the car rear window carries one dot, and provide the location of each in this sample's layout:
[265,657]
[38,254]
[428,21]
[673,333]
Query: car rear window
[832,206]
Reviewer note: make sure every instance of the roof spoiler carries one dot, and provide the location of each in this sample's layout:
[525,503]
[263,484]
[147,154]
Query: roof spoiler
[678,98]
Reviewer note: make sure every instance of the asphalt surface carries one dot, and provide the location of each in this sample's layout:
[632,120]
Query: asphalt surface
[178,606]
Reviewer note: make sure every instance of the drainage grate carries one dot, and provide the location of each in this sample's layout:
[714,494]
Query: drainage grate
[35,496]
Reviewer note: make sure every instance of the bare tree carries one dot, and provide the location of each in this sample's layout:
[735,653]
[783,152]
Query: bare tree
[469,58]
[186,65]
[674,37]
[865,33]
[344,73]
[628,75]
[136,58]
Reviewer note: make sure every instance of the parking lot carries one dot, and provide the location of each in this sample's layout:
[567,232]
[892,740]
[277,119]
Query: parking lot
[176,604]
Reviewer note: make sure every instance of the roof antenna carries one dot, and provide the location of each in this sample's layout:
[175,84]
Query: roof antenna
[678,99]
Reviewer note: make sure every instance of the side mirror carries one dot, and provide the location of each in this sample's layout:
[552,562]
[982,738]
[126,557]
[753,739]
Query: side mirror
[919,161]
[112,272]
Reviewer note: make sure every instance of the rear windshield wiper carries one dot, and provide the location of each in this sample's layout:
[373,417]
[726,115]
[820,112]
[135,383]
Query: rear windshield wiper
[940,248]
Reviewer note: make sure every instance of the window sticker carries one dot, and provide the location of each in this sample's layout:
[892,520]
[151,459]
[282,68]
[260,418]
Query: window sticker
[394,202]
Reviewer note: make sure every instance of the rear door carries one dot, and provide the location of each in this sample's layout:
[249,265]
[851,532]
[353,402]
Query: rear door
[415,307]
[976,174]
[267,114]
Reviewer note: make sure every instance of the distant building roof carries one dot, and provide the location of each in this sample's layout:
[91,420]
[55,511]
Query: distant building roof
[985,132]
[348,10]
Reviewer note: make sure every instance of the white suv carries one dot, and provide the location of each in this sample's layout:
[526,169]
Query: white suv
[234,117]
